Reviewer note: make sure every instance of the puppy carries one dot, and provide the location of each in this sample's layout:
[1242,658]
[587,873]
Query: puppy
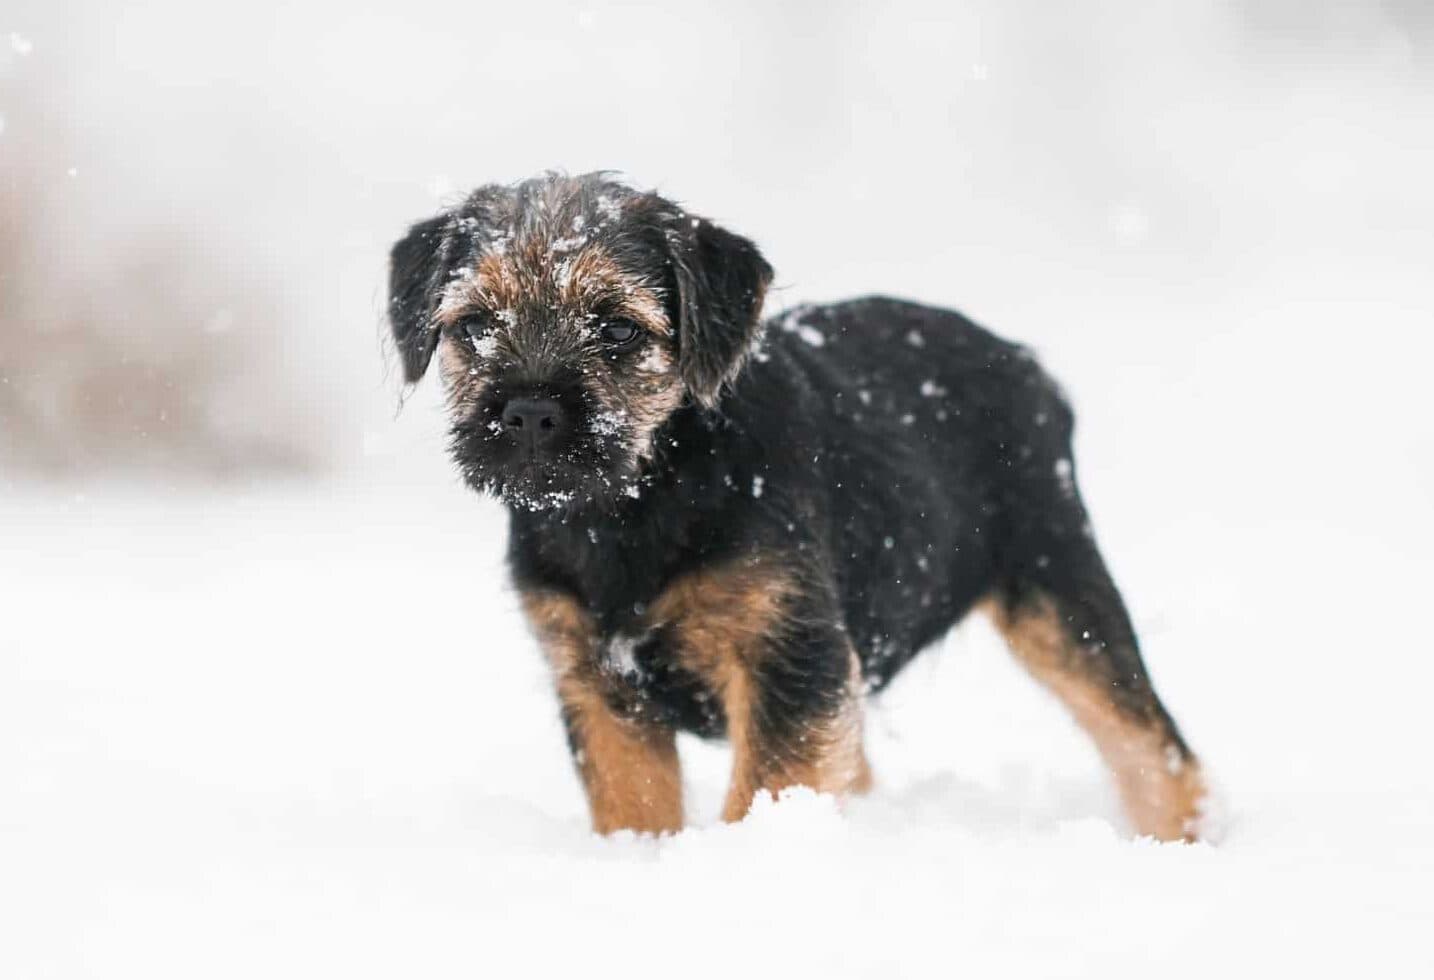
[735,527]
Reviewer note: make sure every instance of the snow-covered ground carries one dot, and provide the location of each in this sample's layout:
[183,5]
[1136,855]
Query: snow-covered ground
[297,729]
[300,730]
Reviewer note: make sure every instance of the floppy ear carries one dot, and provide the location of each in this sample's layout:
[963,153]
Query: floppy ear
[721,279]
[414,282]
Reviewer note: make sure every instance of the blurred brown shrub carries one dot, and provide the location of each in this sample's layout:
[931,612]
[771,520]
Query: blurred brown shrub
[127,347]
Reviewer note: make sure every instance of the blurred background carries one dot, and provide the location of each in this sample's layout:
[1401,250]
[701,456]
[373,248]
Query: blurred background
[196,200]
[258,692]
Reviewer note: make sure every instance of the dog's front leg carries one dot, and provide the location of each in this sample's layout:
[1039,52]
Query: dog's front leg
[794,719]
[766,640]
[629,769]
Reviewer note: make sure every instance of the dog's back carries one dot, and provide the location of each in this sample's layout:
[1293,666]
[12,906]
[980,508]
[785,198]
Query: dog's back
[930,441]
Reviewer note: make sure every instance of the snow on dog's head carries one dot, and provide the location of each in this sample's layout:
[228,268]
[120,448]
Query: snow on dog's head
[572,317]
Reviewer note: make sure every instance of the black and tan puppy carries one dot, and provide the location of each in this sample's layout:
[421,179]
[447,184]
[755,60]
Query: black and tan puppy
[734,527]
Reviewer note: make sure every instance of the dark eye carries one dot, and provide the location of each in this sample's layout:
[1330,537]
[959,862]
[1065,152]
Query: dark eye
[474,325]
[618,333]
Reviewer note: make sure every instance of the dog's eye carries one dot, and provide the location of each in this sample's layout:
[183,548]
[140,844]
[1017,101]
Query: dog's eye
[618,333]
[474,325]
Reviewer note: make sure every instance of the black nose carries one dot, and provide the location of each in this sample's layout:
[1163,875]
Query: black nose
[533,422]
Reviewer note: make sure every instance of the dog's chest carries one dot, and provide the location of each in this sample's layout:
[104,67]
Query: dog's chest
[645,675]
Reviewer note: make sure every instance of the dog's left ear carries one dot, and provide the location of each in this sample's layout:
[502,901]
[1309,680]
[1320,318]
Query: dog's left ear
[414,283]
[721,280]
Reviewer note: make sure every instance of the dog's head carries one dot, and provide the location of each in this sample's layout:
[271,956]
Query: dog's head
[572,317]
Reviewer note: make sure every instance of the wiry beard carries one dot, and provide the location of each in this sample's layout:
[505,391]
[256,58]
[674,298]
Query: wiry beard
[599,471]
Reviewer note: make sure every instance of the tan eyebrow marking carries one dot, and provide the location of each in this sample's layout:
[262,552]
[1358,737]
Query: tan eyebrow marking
[584,281]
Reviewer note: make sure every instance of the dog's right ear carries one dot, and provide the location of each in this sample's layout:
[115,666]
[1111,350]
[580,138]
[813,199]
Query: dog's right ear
[415,280]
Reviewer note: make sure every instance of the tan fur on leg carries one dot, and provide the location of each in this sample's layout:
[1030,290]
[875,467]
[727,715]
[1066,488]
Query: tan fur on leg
[724,618]
[629,770]
[1161,787]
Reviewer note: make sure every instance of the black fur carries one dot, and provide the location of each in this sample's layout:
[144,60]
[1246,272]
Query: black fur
[721,279]
[415,267]
[903,462]
[965,483]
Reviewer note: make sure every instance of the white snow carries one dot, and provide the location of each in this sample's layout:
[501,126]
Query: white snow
[654,361]
[1065,476]
[621,656]
[571,243]
[305,727]
[486,346]
[607,423]
[793,322]
[811,335]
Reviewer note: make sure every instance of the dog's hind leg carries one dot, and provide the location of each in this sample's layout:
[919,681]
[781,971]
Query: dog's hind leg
[1064,620]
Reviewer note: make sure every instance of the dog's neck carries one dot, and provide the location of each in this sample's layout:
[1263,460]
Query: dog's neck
[619,550]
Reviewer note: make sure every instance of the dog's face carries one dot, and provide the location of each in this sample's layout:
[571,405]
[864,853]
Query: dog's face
[572,317]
